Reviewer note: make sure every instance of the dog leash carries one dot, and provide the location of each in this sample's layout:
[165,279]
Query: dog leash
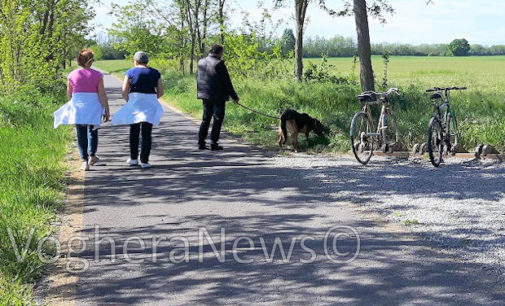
[256,112]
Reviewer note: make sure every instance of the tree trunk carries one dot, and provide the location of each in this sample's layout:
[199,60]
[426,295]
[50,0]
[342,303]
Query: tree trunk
[196,22]
[192,29]
[192,55]
[182,54]
[221,21]
[205,26]
[301,10]
[364,48]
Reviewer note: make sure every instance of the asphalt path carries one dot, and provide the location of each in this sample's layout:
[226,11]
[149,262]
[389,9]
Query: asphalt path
[201,227]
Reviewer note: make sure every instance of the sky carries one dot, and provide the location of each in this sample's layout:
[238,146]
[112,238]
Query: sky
[414,22]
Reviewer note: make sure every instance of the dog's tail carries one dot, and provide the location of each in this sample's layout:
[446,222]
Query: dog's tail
[284,128]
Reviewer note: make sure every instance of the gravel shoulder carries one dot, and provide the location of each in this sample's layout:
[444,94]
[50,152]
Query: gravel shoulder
[459,207]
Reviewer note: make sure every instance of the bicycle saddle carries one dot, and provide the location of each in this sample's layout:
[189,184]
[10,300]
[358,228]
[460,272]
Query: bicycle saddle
[436,96]
[368,97]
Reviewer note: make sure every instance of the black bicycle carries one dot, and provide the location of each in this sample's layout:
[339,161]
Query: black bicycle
[443,134]
[365,136]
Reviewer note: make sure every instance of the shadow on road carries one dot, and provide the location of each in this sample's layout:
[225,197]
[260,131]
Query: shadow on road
[246,193]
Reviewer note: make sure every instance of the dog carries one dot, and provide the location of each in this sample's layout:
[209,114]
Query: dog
[295,123]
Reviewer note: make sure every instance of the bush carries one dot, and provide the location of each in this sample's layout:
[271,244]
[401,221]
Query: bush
[324,73]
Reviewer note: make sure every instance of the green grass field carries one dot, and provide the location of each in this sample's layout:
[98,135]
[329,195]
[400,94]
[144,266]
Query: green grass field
[114,66]
[484,74]
[480,73]
[480,110]
[32,181]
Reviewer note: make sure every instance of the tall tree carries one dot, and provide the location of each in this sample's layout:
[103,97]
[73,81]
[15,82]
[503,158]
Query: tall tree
[182,27]
[361,10]
[172,15]
[300,14]
[197,24]
[288,42]
[136,31]
[364,47]
[221,19]
[203,30]
[192,13]
[459,47]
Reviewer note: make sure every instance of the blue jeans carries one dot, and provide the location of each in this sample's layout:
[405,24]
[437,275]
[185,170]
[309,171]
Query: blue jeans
[87,140]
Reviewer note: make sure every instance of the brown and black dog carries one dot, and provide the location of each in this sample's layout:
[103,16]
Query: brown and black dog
[295,123]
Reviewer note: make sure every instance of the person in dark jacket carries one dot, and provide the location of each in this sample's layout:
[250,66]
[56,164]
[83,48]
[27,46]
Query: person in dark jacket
[214,88]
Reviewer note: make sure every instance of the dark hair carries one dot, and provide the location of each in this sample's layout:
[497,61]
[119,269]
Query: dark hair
[216,49]
[84,57]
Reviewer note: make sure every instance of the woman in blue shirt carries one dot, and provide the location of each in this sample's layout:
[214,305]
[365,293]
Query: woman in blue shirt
[142,87]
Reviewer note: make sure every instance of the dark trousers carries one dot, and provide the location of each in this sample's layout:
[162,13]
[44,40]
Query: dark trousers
[87,140]
[216,110]
[135,129]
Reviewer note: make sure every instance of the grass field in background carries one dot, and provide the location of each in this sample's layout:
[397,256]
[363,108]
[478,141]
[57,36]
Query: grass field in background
[32,181]
[480,110]
[479,73]
[115,66]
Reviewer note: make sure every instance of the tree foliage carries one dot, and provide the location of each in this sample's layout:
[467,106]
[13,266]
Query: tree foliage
[337,46]
[288,42]
[134,31]
[459,47]
[36,39]
[173,29]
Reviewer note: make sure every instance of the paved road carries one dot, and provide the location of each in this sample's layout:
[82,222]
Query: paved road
[242,192]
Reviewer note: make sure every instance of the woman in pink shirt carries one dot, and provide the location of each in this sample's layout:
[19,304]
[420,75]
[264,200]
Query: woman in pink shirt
[88,103]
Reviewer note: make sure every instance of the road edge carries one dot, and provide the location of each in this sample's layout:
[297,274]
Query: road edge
[61,287]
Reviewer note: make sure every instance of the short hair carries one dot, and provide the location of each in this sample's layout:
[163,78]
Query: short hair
[216,49]
[84,57]
[141,57]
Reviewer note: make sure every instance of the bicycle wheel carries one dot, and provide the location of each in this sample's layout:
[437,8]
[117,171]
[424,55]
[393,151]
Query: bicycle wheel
[435,142]
[454,135]
[361,143]
[390,133]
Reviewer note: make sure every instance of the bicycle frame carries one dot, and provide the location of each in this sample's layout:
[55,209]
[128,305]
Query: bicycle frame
[365,137]
[440,138]
[381,124]
[445,116]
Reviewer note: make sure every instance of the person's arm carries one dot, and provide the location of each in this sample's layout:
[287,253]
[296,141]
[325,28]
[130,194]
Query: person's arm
[126,88]
[69,90]
[227,82]
[104,100]
[160,91]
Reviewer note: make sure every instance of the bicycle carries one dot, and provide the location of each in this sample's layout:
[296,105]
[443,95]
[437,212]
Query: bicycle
[443,134]
[364,138]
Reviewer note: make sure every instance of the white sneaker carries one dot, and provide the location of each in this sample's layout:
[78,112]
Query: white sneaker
[132,162]
[85,166]
[93,160]
[145,165]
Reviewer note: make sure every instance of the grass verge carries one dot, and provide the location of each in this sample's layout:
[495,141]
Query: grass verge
[32,172]
[480,110]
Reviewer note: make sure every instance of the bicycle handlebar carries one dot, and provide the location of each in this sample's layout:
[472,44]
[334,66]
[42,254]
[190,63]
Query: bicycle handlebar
[393,90]
[386,93]
[437,89]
